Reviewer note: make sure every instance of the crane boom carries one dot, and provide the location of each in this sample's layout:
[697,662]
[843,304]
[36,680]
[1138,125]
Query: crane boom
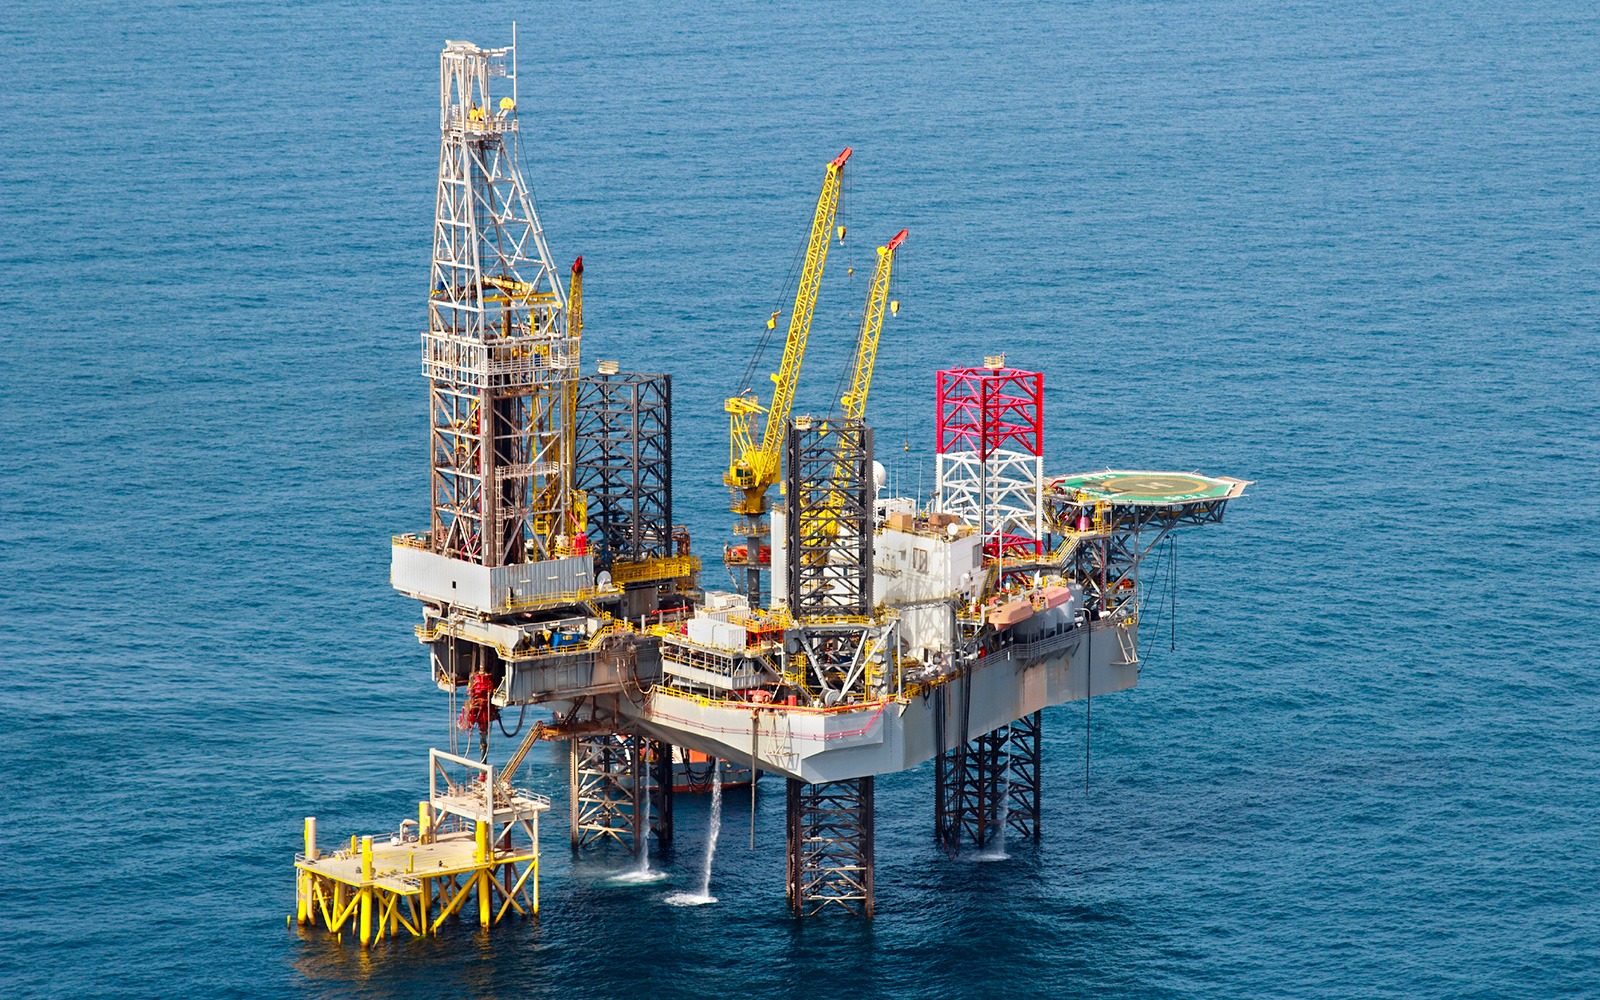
[805,301]
[854,402]
[752,468]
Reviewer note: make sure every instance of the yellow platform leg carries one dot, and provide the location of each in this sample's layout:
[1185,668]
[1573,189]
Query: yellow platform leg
[426,900]
[482,858]
[366,891]
[303,913]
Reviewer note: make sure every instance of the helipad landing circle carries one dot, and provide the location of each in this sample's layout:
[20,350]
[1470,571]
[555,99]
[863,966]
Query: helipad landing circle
[1154,486]
[1129,486]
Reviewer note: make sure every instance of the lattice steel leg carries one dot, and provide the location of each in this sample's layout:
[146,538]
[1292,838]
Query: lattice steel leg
[948,769]
[830,846]
[608,791]
[971,791]
[663,793]
[1023,776]
[988,786]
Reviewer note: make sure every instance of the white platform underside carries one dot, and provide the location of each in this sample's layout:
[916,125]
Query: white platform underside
[894,735]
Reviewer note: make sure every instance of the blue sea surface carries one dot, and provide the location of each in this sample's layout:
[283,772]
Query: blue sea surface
[1347,250]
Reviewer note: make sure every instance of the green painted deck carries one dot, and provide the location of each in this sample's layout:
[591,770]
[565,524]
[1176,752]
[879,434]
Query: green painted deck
[1156,488]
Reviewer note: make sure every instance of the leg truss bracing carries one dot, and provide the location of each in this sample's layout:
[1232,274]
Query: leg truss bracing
[989,786]
[661,776]
[830,846]
[1022,778]
[1000,493]
[971,791]
[610,791]
[989,428]
[623,441]
[829,518]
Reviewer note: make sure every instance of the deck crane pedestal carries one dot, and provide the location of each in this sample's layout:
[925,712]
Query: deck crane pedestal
[754,466]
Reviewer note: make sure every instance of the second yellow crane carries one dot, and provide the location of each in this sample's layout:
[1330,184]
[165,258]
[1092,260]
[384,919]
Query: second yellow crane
[754,466]
[854,401]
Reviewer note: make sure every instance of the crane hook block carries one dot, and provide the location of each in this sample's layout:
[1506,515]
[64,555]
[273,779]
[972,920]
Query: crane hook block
[841,234]
[894,306]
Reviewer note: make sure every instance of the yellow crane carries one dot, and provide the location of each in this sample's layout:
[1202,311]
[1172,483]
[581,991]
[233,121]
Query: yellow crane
[854,401]
[753,466]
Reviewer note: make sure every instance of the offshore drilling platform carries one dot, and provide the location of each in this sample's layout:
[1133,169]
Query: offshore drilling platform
[551,574]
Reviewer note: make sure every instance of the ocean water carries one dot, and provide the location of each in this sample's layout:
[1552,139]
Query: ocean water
[1346,250]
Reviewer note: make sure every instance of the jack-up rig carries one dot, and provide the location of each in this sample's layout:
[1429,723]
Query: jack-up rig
[552,575]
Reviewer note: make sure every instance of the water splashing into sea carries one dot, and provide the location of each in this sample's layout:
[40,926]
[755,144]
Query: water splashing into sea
[704,895]
[1002,812]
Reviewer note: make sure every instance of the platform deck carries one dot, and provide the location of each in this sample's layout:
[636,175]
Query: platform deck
[397,868]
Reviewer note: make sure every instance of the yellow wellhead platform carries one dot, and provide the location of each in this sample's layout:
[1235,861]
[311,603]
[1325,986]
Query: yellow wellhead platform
[473,838]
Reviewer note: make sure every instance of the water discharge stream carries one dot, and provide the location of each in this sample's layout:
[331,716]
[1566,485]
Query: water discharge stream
[704,895]
[641,872]
[1002,812]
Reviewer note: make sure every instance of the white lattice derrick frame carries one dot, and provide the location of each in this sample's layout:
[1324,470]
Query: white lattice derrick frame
[496,352]
[1003,495]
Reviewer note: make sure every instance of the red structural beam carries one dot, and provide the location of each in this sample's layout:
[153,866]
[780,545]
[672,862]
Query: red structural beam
[1012,546]
[985,410]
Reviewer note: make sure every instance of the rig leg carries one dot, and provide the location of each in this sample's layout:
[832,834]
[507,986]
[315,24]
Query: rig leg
[830,846]
[971,793]
[1023,777]
[662,777]
[608,791]
[573,789]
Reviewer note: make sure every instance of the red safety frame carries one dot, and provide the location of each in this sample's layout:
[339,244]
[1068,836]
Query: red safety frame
[986,409]
[1015,546]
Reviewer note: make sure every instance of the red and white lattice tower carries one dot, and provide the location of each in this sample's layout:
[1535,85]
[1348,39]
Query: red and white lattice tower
[990,445]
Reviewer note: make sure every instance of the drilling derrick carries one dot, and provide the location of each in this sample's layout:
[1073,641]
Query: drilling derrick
[512,609]
[498,353]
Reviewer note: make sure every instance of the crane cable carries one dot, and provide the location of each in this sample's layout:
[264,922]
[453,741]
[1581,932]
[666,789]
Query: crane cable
[847,375]
[792,280]
[784,293]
